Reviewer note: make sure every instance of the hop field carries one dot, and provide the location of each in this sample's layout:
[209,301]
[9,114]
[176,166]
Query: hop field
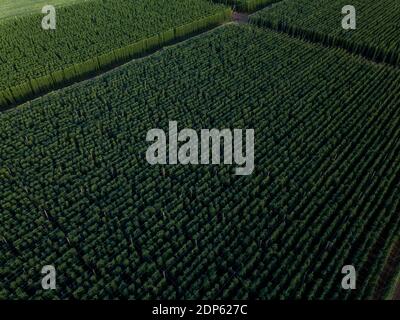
[79,193]
[377,34]
[89,37]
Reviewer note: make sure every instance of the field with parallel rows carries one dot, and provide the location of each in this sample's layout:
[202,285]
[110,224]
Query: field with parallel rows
[246,5]
[78,192]
[377,34]
[90,36]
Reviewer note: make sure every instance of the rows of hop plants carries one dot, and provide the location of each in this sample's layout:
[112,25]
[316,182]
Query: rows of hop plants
[91,36]
[79,193]
[377,25]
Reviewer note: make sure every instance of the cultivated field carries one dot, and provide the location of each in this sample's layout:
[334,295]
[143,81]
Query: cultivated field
[246,5]
[377,33]
[33,61]
[77,190]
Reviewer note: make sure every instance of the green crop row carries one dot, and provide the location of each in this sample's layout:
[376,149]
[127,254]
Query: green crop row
[34,60]
[78,193]
[376,36]
[393,290]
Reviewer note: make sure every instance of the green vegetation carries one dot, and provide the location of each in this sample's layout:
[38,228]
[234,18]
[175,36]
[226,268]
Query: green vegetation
[393,291]
[12,8]
[91,36]
[376,37]
[391,274]
[78,190]
[247,5]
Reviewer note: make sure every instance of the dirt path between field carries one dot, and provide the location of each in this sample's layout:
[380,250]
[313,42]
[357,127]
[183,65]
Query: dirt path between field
[240,17]
[108,70]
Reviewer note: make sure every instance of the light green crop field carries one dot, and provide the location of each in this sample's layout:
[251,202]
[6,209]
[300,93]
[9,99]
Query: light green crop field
[11,8]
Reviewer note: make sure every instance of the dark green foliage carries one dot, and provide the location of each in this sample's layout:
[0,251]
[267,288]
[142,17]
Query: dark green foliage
[77,191]
[377,35]
[35,60]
